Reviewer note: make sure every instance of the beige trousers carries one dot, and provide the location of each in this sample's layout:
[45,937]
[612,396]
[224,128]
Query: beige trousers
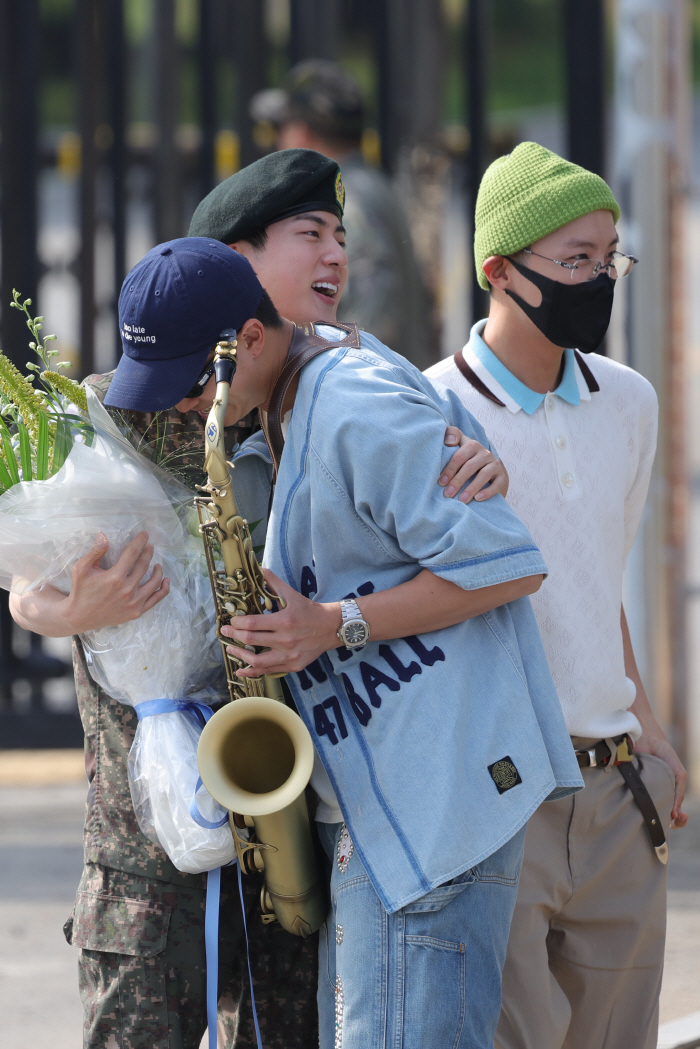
[586,947]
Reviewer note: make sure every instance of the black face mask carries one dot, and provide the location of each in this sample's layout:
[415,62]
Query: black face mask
[570,315]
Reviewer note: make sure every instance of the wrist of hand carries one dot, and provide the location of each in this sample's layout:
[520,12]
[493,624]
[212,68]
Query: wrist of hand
[333,619]
[71,618]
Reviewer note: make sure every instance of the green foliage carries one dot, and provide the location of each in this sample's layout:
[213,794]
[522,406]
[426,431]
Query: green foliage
[525,56]
[62,444]
[155,443]
[187,21]
[56,10]
[8,453]
[527,62]
[36,426]
[138,20]
[70,389]
[58,102]
[42,449]
[5,479]
[25,452]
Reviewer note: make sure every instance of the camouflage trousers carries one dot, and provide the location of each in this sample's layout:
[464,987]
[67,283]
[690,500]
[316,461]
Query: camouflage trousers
[142,967]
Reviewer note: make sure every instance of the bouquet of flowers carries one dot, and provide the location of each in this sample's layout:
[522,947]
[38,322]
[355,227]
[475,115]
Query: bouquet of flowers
[67,473]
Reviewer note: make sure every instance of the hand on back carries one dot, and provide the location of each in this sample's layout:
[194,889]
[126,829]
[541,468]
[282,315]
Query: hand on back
[471,459]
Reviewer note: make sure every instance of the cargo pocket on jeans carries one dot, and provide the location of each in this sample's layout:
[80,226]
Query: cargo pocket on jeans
[122,970]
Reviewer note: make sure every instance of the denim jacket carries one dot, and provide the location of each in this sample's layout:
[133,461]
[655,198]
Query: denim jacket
[439,746]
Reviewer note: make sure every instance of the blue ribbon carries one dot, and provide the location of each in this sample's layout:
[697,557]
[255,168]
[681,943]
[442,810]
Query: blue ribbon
[168,706]
[149,709]
[211,942]
[197,815]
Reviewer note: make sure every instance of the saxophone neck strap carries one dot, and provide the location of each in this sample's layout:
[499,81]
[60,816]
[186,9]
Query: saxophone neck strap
[305,345]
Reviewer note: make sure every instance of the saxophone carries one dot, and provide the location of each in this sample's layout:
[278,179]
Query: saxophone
[255,754]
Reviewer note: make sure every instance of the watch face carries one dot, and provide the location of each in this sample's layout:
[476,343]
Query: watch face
[355,632]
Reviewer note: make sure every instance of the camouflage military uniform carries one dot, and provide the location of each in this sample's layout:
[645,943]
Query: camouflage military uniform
[138,920]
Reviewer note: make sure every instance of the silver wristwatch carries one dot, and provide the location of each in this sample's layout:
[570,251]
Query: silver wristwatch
[354,630]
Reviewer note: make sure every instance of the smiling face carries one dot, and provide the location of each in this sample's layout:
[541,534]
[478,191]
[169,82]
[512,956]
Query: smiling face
[303,265]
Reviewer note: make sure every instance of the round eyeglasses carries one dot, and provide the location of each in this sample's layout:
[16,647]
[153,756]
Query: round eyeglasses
[583,270]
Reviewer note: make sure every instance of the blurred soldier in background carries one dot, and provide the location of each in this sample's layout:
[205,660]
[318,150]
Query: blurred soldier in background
[321,108]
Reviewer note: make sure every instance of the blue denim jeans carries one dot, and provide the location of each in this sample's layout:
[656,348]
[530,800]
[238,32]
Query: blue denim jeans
[427,976]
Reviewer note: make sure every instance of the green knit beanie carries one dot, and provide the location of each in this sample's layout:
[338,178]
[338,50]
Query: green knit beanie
[527,195]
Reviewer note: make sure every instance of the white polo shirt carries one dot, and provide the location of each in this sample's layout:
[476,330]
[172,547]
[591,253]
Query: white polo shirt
[579,460]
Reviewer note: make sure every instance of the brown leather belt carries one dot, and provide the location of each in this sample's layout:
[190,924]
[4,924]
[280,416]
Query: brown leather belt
[599,756]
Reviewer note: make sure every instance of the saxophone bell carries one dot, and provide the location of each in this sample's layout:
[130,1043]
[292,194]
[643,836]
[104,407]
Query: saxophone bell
[255,757]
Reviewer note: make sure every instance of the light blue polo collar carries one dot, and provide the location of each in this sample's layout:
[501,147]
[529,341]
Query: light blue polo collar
[522,396]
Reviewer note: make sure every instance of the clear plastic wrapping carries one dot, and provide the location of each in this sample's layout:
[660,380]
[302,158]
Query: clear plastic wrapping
[163,776]
[170,652]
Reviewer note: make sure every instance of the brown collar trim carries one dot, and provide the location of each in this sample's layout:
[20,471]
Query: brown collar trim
[474,379]
[481,387]
[591,381]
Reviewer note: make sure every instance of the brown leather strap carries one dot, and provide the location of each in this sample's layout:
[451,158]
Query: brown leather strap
[474,379]
[646,806]
[599,756]
[305,345]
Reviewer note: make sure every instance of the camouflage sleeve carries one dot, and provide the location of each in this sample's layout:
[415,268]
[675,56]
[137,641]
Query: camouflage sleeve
[99,384]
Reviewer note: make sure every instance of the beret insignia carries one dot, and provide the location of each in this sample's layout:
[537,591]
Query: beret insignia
[339,190]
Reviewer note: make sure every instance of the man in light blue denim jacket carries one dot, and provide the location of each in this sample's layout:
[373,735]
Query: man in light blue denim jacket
[440,734]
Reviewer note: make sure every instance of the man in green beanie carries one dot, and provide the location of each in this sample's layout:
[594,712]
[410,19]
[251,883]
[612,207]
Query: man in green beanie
[578,435]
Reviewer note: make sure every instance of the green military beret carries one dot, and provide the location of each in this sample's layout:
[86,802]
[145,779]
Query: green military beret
[273,188]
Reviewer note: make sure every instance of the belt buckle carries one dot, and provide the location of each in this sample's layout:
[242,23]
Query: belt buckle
[624,752]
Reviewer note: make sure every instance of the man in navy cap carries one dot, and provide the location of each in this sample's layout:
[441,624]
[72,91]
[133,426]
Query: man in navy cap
[122,989]
[156,371]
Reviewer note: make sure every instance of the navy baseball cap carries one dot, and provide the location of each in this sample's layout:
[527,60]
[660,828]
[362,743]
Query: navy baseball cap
[173,307]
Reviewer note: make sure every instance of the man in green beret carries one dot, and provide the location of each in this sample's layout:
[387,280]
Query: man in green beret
[578,435]
[284,213]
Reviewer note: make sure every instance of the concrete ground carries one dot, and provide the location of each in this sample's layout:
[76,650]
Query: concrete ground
[40,863]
